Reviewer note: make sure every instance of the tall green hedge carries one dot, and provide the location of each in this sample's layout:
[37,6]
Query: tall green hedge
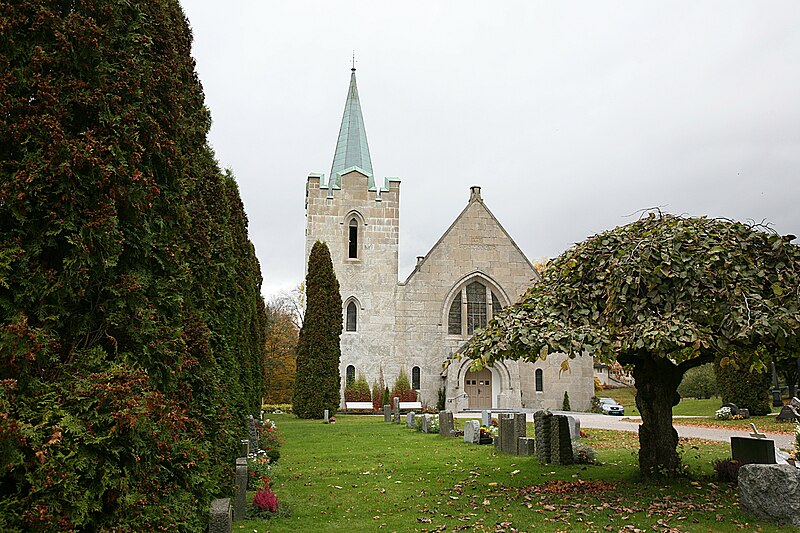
[131,321]
[749,390]
[318,351]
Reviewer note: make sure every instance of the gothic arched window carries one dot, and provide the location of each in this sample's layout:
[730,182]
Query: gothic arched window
[539,380]
[352,239]
[471,309]
[350,375]
[351,321]
[415,375]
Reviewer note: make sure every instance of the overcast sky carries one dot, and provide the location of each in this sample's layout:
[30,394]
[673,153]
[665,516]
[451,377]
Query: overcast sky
[572,116]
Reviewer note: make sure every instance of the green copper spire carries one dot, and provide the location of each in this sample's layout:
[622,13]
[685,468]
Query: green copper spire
[352,149]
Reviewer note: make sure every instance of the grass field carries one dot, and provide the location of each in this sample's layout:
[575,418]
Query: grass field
[362,474]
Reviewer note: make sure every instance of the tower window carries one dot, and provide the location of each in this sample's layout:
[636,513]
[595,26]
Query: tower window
[415,375]
[352,317]
[352,240]
[539,380]
[350,375]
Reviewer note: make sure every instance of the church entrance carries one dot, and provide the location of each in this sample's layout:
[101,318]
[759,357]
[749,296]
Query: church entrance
[478,386]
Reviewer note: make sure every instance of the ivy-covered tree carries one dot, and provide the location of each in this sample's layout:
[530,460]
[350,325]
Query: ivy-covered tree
[130,307]
[318,351]
[663,294]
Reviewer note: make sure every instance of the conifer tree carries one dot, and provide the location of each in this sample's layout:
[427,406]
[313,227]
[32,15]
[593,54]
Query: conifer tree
[130,307]
[318,351]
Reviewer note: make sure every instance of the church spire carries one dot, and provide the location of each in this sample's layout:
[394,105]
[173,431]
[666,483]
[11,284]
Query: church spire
[352,149]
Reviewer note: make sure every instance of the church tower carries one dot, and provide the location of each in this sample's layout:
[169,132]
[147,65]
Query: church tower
[357,216]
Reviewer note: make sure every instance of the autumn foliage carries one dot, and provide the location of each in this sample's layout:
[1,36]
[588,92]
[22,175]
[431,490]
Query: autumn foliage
[131,321]
[280,366]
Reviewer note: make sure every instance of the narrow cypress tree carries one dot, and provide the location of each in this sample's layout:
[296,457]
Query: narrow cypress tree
[318,351]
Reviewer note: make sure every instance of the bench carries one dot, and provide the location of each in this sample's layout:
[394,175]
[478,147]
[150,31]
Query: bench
[358,406]
[407,406]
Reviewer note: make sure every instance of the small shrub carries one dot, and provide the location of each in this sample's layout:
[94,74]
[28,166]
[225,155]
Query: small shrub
[357,391]
[595,408]
[402,388]
[273,455]
[259,469]
[584,454]
[728,469]
[377,396]
[267,505]
[565,403]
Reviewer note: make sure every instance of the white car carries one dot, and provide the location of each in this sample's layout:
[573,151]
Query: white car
[609,406]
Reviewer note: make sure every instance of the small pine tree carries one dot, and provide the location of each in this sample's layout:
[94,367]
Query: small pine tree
[386,397]
[318,351]
[402,388]
[377,396]
[565,404]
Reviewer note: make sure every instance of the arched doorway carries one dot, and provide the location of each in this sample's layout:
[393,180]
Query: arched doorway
[478,387]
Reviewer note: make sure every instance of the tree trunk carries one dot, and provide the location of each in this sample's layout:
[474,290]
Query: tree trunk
[657,381]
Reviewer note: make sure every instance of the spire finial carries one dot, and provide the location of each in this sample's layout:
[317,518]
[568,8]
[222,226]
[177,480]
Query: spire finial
[354,61]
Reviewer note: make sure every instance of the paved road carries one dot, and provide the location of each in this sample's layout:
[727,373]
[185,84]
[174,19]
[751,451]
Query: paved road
[598,421]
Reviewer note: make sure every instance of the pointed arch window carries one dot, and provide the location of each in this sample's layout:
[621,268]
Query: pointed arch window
[415,378]
[350,374]
[351,319]
[539,380]
[352,239]
[471,308]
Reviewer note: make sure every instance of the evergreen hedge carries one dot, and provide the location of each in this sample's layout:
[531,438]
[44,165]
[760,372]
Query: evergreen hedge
[131,321]
[749,390]
[317,383]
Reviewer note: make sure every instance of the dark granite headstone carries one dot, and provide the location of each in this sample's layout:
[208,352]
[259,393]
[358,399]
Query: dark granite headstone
[732,406]
[241,488]
[221,520]
[788,413]
[560,441]
[750,450]
[508,441]
[446,424]
[526,446]
[387,413]
[541,423]
[253,434]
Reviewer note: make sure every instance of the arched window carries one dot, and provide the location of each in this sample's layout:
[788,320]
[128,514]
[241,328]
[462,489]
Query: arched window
[350,375]
[415,378]
[471,309]
[539,380]
[352,317]
[352,239]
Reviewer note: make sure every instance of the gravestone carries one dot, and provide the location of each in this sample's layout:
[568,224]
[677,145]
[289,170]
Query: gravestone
[560,441]
[744,412]
[753,450]
[410,422]
[770,492]
[542,420]
[486,418]
[788,413]
[496,441]
[327,415]
[520,426]
[426,423]
[508,434]
[221,519]
[245,447]
[732,406]
[396,402]
[574,427]
[472,431]
[253,433]
[446,426]
[241,489]
[526,446]
[387,413]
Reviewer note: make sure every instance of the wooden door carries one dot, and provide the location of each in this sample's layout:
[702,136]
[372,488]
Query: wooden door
[478,386]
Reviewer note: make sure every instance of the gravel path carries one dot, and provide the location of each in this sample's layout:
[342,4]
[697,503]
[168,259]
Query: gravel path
[598,421]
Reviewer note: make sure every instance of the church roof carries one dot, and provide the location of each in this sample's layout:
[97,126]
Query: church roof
[352,149]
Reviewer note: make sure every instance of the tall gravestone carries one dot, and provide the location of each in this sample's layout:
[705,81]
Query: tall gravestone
[221,520]
[446,425]
[507,433]
[486,419]
[241,488]
[426,423]
[253,433]
[541,424]
[410,422]
[396,401]
[560,441]
[387,413]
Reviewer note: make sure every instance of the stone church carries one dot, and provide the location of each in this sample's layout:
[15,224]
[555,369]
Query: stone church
[473,271]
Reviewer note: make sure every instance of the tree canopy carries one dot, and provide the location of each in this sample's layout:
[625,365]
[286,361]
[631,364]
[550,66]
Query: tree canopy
[664,294]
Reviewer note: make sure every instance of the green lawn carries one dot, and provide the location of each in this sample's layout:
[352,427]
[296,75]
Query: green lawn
[687,406]
[362,474]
